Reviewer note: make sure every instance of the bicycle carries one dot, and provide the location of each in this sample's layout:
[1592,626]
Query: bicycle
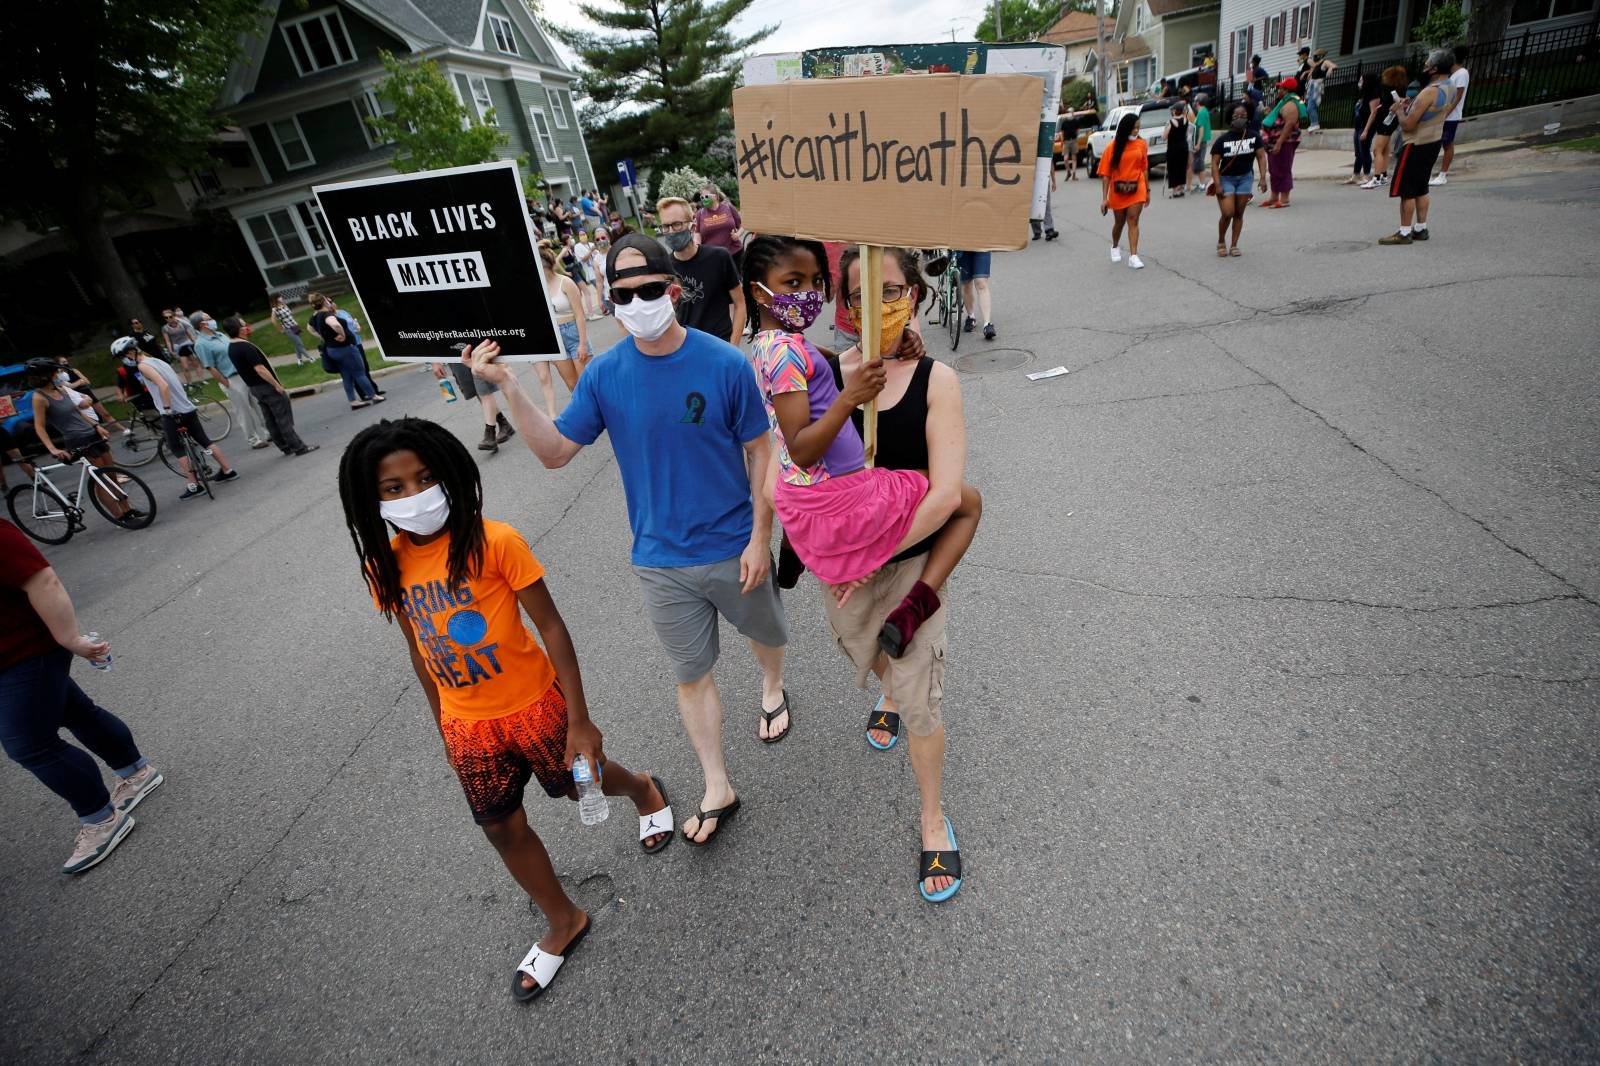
[42,510]
[147,442]
[199,461]
[945,273]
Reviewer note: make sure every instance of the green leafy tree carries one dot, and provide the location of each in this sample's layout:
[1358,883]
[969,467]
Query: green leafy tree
[1076,93]
[429,126]
[90,120]
[659,75]
[1445,24]
[1023,20]
[684,183]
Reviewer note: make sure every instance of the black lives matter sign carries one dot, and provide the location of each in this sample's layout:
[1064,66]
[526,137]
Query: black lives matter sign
[442,259]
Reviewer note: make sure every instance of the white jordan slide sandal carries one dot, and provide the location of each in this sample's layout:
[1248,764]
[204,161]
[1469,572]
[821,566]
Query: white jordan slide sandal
[654,824]
[543,967]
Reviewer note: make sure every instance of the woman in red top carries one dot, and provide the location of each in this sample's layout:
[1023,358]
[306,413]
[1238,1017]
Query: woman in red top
[38,699]
[718,223]
[1125,187]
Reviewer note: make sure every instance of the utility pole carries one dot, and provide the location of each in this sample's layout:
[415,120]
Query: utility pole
[999,34]
[1099,51]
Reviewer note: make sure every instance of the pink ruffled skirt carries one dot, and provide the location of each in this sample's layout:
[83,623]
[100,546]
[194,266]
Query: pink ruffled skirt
[846,527]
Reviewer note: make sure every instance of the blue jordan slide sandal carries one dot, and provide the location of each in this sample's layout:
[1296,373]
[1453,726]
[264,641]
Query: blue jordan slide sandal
[885,720]
[941,863]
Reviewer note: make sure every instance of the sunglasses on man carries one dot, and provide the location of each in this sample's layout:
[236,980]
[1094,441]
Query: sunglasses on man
[652,290]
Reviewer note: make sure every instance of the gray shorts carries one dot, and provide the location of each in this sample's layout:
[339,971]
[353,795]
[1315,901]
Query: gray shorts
[683,604]
[471,385]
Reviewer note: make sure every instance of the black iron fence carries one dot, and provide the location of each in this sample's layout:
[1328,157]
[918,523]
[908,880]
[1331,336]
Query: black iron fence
[1517,71]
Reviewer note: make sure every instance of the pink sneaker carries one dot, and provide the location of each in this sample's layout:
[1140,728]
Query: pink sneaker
[135,787]
[96,841]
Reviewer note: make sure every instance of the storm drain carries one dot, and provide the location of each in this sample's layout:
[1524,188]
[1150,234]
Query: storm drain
[993,360]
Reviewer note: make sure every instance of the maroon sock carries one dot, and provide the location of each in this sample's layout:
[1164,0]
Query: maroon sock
[920,604]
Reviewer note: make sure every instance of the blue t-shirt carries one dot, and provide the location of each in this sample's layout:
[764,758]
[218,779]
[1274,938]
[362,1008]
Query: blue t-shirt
[212,348]
[678,426]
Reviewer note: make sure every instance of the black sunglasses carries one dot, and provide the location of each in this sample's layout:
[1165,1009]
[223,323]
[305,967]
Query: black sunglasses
[653,290]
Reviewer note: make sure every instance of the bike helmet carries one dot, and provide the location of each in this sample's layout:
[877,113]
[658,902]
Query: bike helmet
[39,366]
[120,346]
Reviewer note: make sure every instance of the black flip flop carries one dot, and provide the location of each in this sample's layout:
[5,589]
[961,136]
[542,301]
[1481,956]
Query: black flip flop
[666,831]
[721,814]
[527,995]
[768,716]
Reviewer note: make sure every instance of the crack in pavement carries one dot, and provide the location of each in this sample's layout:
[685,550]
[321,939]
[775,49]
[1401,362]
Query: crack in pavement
[1285,597]
[227,897]
[562,517]
[1508,675]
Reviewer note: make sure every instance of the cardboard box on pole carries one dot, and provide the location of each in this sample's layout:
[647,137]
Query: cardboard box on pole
[934,160]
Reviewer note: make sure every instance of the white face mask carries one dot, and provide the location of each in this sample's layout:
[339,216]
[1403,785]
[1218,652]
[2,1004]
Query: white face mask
[61,377]
[422,514]
[647,319]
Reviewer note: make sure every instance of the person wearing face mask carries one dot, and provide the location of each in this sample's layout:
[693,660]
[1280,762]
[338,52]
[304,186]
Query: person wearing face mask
[73,379]
[712,301]
[510,709]
[59,411]
[1233,156]
[717,223]
[212,349]
[277,414]
[689,434]
[1422,118]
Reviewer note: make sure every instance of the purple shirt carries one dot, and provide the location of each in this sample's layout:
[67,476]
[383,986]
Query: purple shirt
[787,362]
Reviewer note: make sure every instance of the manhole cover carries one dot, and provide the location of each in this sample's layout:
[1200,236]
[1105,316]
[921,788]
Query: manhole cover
[1335,247]
[994,360]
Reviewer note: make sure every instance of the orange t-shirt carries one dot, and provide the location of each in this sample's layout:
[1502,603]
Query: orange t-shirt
[472,638]
[1135,166]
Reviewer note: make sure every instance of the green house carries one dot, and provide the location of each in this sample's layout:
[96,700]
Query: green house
[308,80]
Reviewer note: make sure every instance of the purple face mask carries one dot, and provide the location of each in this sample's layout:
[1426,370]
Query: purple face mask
[797,310]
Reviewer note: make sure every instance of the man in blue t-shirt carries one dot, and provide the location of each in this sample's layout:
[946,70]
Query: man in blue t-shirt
[689,431]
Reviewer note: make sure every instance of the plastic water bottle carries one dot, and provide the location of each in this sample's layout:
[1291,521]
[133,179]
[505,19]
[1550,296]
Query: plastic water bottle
[98,664]
[592,806]
[448,387]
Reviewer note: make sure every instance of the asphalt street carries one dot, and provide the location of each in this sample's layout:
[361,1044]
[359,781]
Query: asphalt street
[1272,708]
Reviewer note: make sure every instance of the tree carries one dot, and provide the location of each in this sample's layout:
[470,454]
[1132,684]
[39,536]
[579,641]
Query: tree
[1490,19]
[1076,93]
[1023,20]
[1445,24]
[659,76]
[85,129]
[430,128]
[684,183]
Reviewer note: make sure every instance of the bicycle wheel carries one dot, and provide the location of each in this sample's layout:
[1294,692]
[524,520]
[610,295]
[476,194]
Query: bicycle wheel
[958,309]
[216,419]
[44,516]
[200,463]
[123,487]
[169,460]
[137,448]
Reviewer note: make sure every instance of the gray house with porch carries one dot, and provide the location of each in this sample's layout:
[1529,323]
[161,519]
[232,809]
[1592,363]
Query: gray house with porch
[308,81]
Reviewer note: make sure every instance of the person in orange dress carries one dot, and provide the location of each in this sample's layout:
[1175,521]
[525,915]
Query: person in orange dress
[1125,187]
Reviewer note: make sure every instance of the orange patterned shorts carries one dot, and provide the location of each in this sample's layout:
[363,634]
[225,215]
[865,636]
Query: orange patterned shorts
[495,757]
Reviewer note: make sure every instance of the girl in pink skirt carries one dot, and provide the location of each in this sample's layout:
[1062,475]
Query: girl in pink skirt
[843,518]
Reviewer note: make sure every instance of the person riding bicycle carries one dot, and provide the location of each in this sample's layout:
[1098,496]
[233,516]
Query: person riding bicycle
[177,412]
[55,410]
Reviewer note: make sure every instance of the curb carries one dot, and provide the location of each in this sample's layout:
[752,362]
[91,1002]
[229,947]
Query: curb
[312,390]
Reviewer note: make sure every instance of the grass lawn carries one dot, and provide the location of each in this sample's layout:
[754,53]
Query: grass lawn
[96,362]
[1582,144]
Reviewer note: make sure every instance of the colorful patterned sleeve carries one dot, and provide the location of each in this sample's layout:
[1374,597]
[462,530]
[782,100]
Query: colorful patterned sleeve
[786,367]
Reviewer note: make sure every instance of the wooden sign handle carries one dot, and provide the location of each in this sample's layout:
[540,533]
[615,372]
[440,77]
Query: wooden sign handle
[871,331]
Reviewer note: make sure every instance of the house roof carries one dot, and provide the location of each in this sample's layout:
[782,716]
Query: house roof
[1164,8]
[1075,26]
[1130,47]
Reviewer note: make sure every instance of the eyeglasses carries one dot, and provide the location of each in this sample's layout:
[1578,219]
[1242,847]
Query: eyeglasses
[675,227]
[652,290]
[891,293]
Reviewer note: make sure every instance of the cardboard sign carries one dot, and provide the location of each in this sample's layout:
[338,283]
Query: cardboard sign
[923,160]
[443,258]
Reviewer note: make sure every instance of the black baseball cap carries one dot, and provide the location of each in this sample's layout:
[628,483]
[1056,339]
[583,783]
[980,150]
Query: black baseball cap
[657,260]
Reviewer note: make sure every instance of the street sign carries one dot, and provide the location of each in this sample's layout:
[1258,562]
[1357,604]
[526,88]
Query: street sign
[625,173]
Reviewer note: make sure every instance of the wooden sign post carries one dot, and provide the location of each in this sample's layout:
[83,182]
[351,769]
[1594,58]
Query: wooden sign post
[871,330]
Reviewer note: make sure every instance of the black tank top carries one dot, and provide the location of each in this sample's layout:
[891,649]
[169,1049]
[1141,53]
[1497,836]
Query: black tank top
[902,433]
[320,322]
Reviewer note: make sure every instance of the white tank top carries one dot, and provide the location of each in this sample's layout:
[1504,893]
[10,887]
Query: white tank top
[558,297]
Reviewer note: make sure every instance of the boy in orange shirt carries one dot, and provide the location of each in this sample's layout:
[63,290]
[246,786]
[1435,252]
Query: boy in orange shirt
[506,710]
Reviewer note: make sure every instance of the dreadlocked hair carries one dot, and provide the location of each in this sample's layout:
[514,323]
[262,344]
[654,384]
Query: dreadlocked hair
[910,261]
[760,254]
[452,468]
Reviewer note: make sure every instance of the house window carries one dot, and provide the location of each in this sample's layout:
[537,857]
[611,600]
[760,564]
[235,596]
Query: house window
[541,132]
[1141,18]
[1303,23]
[1138,74]
[1538,10]
[558,107]
[1241,52]
[480,94]
[292,143]
[1275,31]
[318,41]
[1199,53]
[369,107]
[1378,23]
[504,39]
[276,238]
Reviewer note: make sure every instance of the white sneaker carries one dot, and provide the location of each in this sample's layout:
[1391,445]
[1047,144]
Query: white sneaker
[1370,183]
[1314,129]
[96,841]
[135,787]
[1135,262]
[1116,255]
[1442,179]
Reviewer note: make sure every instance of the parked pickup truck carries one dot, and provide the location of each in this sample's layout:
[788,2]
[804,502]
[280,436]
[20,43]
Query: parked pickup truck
[1153,116]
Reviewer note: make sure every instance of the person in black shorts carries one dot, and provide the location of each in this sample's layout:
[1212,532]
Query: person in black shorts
[1422,121]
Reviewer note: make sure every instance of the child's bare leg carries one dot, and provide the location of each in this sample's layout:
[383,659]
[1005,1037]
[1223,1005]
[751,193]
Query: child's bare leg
[922,602]
[523,853]
[618,780]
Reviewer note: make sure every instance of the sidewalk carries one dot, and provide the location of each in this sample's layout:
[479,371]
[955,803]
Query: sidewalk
[1329,154]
